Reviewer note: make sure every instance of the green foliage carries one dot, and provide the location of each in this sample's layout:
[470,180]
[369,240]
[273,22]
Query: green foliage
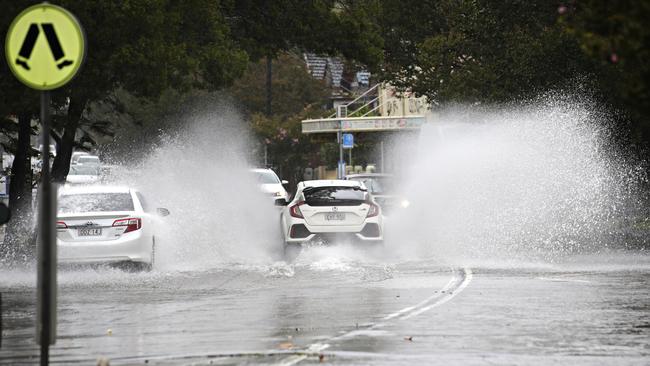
[616,36]
[296,96]
[479,51]
[293,87]
[482,51]
[266,28]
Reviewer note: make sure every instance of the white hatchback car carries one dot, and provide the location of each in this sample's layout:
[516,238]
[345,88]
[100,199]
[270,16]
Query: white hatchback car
[331,210]
[100,224]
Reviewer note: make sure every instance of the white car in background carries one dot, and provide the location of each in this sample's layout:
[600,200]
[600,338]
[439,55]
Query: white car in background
[83,174]
[332,210]
[100,224]
[88,160]
[384,189]
[76,155]
[270,183]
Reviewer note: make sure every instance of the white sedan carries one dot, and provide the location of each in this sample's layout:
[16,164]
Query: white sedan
[83,174]
[331,210]
[270,184]
[99,224]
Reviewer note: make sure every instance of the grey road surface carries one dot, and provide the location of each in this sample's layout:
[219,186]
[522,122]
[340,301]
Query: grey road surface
[336,310]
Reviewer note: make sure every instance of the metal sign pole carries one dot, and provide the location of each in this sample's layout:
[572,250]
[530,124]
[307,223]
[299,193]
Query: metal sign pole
[45,66]
[46,312]
[340,173]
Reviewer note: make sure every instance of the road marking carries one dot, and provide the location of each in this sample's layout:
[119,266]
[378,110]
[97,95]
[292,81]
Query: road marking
[312,350]
[456,284]
[562,279]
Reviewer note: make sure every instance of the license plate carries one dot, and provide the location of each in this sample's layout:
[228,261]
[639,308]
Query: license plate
[337,216]
[90,232]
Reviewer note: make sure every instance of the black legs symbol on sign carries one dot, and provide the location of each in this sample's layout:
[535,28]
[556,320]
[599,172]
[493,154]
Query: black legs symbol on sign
[52,40]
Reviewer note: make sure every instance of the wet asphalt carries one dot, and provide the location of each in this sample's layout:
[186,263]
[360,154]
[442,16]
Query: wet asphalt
[333,310]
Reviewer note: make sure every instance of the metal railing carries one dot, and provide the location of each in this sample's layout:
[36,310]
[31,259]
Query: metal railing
[364,95]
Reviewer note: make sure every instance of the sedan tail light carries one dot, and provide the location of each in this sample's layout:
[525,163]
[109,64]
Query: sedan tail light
[61,225]
[132,224]
[373,210]
[295,210]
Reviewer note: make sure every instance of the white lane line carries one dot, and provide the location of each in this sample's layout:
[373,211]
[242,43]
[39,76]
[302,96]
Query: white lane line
[426,301]
[313,349]
[455,286]
[562,279]
[446,296]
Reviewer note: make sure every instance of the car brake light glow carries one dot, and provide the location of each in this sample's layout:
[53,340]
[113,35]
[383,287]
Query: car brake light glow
[294,210]
[61,225]
[132,224]
[373,210]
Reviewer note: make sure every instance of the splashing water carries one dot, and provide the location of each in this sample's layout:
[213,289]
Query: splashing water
[535,182]
[218,215]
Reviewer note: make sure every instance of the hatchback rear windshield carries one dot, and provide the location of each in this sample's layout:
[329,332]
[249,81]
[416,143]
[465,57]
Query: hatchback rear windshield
[340,196]
[95,202]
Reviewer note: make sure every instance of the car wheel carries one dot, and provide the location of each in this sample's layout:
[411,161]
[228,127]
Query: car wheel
[135,267]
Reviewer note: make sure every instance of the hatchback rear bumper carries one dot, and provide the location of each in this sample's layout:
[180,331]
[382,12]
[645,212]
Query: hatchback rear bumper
[301,233]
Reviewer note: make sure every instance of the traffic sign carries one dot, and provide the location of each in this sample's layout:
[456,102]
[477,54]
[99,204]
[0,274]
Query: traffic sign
[348,141]
[45,46]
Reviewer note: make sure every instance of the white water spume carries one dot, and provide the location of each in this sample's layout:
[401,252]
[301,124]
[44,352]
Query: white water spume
[510,185]
[218,214]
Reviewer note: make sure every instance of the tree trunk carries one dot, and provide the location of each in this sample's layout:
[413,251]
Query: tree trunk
[18,182]
[17,245]
[61,165]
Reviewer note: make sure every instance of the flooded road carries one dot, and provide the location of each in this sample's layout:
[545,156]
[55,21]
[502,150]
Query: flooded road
[329,308]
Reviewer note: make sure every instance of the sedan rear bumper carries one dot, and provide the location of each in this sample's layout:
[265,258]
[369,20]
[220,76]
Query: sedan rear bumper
[134,248]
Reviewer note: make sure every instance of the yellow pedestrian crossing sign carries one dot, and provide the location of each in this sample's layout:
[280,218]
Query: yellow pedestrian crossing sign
[45,46]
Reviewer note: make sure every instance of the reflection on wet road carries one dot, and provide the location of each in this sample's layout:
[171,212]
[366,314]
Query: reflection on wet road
[330,309]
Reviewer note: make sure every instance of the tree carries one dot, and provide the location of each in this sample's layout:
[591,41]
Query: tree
[298,96]
[479,51]
[267,28]
[19,105]
[615,35]
[144,47]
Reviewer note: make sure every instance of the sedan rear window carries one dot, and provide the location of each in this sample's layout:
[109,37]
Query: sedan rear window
[95,202]
[340,196]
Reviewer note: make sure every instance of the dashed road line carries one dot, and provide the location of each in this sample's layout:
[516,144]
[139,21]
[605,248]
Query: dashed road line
[456,284]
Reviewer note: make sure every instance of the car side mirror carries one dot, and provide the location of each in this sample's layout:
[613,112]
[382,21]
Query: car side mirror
[281,202]
[162,212]
[5,214]
[285,182]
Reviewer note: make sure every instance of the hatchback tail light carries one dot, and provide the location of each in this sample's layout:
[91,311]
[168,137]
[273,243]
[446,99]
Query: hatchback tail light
[373,210]
[132,224]
[61,225]
[294,210]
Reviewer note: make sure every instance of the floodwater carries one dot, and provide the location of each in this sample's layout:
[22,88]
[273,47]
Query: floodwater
[330,306]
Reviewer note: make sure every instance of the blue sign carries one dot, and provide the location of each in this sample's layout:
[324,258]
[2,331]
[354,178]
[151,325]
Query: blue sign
[348,141]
